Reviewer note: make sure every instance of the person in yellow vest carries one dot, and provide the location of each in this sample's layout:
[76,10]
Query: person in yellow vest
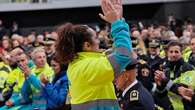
[90,72]
[176,72]
[17,77]
[12,76]
[190,55]
[32,87]
[4,71]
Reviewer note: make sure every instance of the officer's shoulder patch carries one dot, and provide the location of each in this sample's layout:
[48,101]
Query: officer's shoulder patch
[134,95]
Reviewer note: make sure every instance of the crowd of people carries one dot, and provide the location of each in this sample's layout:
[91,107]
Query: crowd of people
[120,67]
[28,1]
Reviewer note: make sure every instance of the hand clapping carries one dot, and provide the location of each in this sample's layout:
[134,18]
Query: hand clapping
[9,103]
[44,79]
[159,76]
[186,93]
[25,69]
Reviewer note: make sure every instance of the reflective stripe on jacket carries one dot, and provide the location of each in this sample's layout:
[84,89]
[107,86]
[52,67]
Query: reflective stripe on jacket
[91,75]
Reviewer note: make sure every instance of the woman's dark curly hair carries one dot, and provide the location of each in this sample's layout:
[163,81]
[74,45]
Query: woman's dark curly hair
[63,67]
[70,41]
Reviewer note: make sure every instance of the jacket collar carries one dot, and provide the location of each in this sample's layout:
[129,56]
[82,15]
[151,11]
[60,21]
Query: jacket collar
[92,54]
[129,87]
[58,76]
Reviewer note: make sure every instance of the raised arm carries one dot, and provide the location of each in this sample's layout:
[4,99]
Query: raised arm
[112,13]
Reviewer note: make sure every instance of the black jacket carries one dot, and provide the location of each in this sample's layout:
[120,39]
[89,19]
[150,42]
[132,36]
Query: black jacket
[137,98]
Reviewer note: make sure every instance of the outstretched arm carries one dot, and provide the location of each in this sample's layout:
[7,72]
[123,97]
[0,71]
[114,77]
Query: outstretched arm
[112,13]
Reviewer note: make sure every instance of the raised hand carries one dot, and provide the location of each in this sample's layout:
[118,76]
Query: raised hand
[44,79]
[118,6]
[159,76]
[9,103]
[112,10]
[25,69]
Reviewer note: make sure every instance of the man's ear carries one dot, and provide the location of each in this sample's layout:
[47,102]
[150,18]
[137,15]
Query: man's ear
[125,74]
[86,46]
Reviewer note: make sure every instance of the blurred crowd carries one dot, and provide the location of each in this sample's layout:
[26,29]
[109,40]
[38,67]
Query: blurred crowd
[28,1]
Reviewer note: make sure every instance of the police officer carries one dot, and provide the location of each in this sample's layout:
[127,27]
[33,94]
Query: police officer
[49,44]
[134,96]
[153,57]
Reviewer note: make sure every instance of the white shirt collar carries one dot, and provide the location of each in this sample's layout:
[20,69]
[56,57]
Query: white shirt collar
[130,86]
[152,56]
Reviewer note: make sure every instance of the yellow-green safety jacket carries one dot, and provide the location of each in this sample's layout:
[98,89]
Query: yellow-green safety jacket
[92,73]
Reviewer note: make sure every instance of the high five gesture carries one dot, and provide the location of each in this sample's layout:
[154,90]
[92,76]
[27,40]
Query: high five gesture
[112,10]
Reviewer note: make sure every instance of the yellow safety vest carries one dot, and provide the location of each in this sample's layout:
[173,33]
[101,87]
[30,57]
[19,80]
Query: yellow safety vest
[186,53]
[90,76]
[4,71]
[186,78]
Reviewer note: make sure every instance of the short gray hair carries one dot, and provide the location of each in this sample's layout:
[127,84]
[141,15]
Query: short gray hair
[37,50]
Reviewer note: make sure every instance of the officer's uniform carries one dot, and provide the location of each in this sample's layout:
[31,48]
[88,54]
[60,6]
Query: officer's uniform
[192,59]
[145,76]
[153,61]
[136,97]
[47,42]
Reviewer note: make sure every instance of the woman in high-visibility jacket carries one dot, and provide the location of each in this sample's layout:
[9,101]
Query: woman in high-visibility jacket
[91,73]
[54,92]
[32,88]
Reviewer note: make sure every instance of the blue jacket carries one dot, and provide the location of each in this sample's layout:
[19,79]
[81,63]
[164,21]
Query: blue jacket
[55,93]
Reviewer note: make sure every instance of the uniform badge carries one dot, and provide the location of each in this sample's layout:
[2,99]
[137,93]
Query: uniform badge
[142,61]
[188,79]
[161,67]
[134,95]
